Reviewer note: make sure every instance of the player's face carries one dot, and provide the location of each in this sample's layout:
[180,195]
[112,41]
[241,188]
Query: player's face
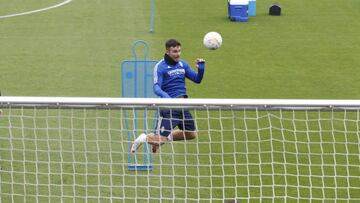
[174,53]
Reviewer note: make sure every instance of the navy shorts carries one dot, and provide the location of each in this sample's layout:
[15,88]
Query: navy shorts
[169,119]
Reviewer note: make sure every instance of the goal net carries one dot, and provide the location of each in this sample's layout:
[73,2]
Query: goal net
[77,150]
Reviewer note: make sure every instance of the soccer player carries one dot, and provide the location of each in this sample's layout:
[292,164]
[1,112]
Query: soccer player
[169,82]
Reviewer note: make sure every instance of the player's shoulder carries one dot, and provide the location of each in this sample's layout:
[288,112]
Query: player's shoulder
[183,63]
[161,64]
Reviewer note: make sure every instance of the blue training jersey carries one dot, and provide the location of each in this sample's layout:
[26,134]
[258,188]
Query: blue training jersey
[169,79]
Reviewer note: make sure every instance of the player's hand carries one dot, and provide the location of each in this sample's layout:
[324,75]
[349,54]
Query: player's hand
[200,63]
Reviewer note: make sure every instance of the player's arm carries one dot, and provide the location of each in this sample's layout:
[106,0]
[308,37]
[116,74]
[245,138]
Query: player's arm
[158,79]
[196,76]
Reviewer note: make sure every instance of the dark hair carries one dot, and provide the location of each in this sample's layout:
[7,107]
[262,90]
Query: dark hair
[172,43]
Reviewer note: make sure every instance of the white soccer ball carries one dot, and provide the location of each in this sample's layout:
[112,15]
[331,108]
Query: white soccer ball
[212,40]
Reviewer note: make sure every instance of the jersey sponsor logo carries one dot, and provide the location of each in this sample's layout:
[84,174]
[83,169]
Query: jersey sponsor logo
[176,72]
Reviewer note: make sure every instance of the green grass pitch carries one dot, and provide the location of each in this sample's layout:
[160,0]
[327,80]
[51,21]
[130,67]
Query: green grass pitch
[310,51]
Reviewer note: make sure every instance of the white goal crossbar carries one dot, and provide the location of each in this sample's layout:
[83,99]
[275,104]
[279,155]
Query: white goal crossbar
[262,103]
[76,149]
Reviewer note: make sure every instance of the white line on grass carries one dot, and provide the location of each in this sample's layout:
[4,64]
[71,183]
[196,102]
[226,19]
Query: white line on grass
[36,11]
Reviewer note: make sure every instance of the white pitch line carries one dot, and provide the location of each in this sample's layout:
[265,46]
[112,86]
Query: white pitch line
[36,11]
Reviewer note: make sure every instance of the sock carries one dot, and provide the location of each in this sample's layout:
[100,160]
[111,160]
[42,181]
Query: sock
[143,137]
[170,137]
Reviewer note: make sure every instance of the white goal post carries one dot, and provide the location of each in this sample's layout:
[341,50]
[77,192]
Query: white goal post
[75,149]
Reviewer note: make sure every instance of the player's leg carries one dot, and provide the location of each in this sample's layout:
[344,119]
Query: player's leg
[165,125]
[183,135]
[156,139]
[187,130]
[151,138]
[160,135]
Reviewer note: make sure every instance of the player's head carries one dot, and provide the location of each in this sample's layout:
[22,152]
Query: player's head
[173,49]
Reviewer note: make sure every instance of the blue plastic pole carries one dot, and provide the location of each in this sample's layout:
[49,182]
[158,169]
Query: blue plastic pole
[152,16]
[252,8]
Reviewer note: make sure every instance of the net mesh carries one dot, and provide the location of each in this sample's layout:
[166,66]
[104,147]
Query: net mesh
[57,154]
